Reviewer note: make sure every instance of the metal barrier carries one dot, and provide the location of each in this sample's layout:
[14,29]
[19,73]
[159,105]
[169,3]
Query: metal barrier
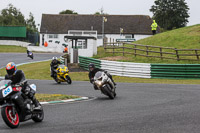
[175,71]
[62,60]
[145,70]
[127,69]
[85,61]
[141,70]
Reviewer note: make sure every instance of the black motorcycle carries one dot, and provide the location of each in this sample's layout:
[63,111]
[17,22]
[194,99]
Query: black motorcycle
[29,54]
[105,84]
[16,107]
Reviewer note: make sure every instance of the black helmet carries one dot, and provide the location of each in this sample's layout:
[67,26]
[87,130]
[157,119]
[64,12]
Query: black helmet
[91,65]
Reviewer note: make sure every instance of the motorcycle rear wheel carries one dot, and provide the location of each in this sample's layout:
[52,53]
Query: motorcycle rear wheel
[10,118]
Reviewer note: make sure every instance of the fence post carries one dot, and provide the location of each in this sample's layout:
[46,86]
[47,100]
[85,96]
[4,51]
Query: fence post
[123,49]
[147,48]
[135,50]
[197,54]
[177,54]
[113,47]
[105,47]
[161,53]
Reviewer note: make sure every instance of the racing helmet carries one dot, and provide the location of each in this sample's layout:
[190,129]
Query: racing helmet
[54,59]
[91,67]
[11,68]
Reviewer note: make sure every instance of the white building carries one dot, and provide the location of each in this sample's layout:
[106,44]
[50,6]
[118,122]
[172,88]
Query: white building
[55,27]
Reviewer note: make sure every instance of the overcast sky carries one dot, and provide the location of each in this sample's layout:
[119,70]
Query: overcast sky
[119,7]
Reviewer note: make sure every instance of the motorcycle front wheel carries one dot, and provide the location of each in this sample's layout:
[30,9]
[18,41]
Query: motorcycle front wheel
[10,116]
[68,79]
[106,90]
[39,116]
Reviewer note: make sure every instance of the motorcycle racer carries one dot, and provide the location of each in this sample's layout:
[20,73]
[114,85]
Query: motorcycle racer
[18,77]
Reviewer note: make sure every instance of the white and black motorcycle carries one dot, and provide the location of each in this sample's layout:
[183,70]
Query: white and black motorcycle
[105,84]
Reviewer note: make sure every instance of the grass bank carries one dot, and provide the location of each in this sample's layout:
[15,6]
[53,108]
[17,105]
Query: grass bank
[12,49]
[183,38]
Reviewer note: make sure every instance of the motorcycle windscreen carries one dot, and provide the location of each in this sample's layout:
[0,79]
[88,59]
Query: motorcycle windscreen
[98,75]
[4,83]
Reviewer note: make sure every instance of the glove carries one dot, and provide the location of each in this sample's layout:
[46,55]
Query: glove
[27,90]
[92,80]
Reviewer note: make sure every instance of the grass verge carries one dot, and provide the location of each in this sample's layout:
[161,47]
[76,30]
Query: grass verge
[54,97]
[11,49]
[41,71]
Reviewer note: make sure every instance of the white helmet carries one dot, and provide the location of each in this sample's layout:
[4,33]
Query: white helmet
[54,58]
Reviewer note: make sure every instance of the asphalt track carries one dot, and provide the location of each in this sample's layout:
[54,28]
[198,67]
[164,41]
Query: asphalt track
[138,108]
[22,57]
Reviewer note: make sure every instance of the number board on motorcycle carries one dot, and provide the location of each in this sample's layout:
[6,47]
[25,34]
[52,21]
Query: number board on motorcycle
[7,91]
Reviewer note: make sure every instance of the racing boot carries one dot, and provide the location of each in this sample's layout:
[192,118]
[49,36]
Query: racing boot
[36,103]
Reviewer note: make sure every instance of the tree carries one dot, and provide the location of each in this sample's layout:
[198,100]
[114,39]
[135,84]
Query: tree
[11,16]
[170,14]
[68,12]
[97,13]
[30,24]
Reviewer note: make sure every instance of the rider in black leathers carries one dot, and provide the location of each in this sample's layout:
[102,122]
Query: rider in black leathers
[54,65]
[93,70]
[18,77]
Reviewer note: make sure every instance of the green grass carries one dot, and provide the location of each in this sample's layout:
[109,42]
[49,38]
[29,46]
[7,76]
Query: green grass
[183,38]
[12,48]
[157,81]
[41,71]
[53,97]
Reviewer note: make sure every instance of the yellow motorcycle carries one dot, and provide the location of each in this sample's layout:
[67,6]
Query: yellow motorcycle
[63,75]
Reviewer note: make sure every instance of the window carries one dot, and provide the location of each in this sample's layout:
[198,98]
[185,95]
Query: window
[52,35]
[128,36]
[75,32]
[99,36]
[82,44]
[89,33]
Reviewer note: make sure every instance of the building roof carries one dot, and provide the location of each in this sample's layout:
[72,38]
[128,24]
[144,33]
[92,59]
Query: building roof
[131,24]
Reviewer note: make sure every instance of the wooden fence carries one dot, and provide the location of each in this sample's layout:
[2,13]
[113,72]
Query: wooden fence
[152,51]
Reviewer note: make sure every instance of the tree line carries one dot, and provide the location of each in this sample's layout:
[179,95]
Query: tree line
[169,14]
[11,16]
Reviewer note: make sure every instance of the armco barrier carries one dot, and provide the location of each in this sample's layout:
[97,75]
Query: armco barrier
[85,61]
[145,70]
[141,70]
[175,71]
